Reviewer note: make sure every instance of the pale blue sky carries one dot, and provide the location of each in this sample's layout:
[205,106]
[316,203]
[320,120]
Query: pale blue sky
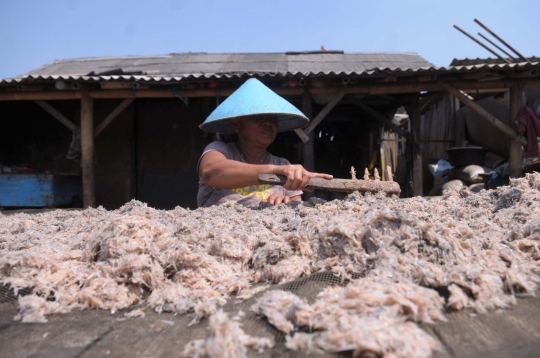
[37,32]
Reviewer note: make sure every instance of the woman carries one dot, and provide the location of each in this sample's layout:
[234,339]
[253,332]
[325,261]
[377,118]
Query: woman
[230,171]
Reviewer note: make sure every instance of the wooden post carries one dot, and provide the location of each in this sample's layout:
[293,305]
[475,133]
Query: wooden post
[308,149]
[516,149]
[87,148]
[418,172]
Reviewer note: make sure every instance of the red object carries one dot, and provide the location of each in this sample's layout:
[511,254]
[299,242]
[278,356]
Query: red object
[323,48]
[529,126]
[213,84]
[26,170]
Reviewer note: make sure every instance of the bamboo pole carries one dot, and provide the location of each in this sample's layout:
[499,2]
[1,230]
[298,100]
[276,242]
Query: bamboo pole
[501,40]
[87,149]
[499,48]
[481,44]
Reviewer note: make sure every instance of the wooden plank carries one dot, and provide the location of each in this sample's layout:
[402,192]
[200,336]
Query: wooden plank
[339,185]
[112,116]
[329,106]
[488,117]
[56,114]
[87,149]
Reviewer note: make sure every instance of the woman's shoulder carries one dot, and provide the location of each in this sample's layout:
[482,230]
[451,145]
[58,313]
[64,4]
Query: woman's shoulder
[227,149]
[217,145]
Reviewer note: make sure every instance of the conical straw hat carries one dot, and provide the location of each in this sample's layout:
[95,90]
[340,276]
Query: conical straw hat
[251,99]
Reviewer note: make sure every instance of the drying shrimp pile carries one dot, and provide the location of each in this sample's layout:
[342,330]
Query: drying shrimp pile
[407,260]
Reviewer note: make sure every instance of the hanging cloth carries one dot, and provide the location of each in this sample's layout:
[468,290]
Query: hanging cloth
[74,151]
[529,127]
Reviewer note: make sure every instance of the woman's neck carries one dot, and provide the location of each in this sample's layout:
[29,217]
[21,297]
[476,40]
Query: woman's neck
[252,154]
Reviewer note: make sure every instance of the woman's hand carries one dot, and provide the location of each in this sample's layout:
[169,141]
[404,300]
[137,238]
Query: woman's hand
[276,199]
[297,176]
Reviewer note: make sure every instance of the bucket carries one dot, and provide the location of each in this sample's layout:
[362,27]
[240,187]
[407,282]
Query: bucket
[463,156]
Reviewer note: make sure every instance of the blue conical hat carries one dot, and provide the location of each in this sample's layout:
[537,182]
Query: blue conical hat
[254,98]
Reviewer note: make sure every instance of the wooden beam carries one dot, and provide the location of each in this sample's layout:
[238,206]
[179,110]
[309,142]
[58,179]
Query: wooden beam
[87,149]
[308,148]
[426,102]
[488,117]
[418,170]
[39,96]
[516,149]
[329,106]
[375,89]
[56,114]
[372,112]
[304,133]
[112,115]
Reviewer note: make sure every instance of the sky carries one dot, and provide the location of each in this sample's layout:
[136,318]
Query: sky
[37,32]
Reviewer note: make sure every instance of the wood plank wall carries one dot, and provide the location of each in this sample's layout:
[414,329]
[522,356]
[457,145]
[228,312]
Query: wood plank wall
[438,128]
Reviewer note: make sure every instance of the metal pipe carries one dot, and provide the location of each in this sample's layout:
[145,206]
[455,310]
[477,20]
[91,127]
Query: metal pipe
[494,44]
[501,40]
[345,81]
[481,44]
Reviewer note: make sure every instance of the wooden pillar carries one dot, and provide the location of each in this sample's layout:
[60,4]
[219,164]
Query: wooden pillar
[516,148]
[308,149]
[87,149]
[418,173]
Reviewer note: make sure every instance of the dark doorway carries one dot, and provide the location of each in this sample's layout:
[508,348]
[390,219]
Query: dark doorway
[168,145]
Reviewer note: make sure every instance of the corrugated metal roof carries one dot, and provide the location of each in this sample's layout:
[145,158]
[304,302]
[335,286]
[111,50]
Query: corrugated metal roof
[174,67]
[489,60]
[181,67]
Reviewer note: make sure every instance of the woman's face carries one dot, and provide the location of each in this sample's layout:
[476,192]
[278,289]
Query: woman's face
[258,130]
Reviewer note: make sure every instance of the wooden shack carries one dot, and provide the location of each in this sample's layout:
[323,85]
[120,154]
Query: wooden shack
[129,125]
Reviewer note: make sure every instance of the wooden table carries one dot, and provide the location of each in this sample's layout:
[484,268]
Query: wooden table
[93,333]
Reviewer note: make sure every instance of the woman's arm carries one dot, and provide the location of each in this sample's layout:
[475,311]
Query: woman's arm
[219,172]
